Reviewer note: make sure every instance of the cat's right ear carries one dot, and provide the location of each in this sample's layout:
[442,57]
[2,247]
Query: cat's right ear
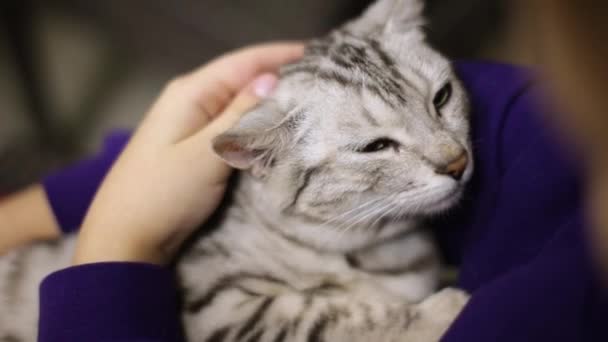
[389,16]
[254,142]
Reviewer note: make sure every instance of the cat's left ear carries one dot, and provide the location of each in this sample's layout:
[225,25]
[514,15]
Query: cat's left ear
[255,141]
[390,16]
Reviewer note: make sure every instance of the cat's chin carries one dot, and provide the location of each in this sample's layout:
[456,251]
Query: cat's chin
[345,239]
[447,202]
[441,203]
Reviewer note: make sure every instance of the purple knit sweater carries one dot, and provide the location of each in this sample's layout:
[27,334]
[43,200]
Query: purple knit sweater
[519,239]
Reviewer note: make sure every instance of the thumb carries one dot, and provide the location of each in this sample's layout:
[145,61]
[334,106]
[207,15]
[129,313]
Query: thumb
[214,166]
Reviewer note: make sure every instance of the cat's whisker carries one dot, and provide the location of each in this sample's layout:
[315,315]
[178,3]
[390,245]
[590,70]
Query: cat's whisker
[346,213]
[370,213]
[363,211]
[370,207]
[382,215]
[399,214]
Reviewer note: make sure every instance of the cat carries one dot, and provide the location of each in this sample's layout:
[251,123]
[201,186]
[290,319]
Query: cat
[364,138]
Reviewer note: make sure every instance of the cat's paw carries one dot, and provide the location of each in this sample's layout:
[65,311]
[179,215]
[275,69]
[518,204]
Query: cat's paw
[444,305]
[431,318]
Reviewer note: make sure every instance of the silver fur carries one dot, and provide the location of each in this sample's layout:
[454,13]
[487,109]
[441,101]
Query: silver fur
[322,241]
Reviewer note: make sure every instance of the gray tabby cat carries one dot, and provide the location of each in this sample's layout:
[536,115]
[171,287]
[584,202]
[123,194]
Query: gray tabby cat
[323,241]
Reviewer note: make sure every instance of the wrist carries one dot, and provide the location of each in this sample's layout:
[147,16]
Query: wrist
[90,253]
[98,245]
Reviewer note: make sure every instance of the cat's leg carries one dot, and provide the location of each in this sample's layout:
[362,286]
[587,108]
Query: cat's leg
[257,308]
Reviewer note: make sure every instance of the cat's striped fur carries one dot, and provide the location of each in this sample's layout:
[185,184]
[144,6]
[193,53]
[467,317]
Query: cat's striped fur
[322,240]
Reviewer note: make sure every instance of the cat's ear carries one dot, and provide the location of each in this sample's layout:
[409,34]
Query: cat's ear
[254,142]
[390,16]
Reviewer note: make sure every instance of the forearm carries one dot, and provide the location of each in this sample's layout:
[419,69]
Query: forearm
[25,217]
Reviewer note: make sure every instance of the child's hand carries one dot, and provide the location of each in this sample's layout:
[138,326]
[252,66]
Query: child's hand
[168,180]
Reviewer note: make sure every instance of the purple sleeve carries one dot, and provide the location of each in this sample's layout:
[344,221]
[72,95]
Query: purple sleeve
[109,302]
[521,238]
[550,298]
[71,190]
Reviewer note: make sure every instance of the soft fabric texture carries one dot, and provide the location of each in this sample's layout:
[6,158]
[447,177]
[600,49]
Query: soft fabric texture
[109,302]
[519,238]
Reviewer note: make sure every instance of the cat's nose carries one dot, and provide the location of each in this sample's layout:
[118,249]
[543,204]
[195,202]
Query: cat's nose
[455,168]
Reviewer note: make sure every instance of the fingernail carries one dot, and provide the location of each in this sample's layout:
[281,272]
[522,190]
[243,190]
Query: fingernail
[264,85]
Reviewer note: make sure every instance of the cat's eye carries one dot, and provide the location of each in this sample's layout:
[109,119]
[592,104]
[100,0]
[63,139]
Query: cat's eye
[443,96]
[379,145]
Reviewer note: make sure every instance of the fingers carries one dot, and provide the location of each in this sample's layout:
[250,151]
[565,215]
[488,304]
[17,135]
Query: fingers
[246,100]
[192,101]
[239,68]
[234,71]
[201,143]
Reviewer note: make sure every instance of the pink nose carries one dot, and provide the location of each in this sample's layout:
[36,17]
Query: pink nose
[455,168]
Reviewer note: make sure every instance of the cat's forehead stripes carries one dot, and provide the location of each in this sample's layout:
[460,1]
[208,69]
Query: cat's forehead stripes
[369,118]
[355,63]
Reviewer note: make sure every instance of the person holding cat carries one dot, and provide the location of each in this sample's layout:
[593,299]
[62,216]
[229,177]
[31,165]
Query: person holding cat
[119,281]
[525,262]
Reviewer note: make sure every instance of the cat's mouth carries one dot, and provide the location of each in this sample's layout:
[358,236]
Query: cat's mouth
[448,200]
[436,202]
[431,207]
[452,197]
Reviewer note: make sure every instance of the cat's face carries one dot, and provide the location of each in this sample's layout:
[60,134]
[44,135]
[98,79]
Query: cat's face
[365,127]
[354,142]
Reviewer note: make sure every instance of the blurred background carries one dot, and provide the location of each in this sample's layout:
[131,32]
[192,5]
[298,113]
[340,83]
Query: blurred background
[72,70]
